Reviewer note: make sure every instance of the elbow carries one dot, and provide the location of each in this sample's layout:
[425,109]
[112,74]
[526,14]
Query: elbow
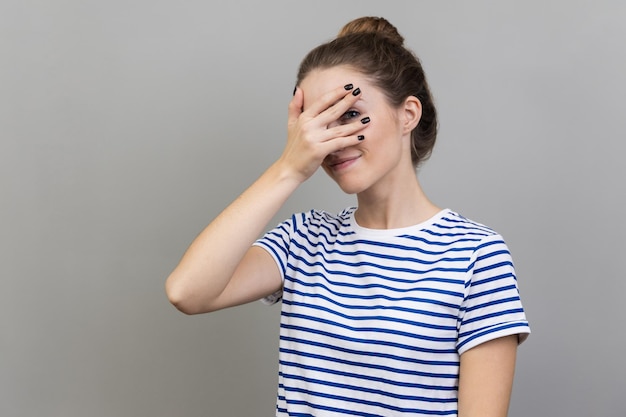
[182,306]
[180,297]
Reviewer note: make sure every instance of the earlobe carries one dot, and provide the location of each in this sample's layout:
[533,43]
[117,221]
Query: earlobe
[412,113]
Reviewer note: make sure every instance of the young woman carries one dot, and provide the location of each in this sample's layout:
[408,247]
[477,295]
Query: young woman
[392,307]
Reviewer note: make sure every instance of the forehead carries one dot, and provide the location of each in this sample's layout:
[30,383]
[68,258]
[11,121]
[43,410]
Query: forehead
[320,81]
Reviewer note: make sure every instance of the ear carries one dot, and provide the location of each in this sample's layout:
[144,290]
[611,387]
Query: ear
[411,113]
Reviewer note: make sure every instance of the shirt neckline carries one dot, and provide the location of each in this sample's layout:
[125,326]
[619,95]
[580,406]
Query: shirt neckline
[364,231]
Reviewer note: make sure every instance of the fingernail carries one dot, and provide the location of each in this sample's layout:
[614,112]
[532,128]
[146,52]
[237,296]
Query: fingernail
[365,120]
[356,92]
[360,137]
[348,87]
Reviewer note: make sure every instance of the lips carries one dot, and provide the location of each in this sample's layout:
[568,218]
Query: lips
[337,163]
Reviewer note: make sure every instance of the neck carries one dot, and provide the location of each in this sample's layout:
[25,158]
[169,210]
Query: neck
[395,205]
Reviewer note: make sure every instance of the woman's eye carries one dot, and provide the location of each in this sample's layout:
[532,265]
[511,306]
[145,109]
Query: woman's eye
[350,114]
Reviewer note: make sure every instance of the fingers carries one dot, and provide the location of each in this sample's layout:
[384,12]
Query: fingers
[295,105]
[342,137]
[327,115]
[329,111]
[342,142]
[327,103]
[329,123]
[346,129]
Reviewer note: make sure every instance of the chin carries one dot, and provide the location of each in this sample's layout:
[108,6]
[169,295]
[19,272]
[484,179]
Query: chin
[351,187]
[350,183]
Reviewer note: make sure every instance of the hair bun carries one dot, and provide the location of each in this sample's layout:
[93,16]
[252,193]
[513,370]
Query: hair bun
[371,24]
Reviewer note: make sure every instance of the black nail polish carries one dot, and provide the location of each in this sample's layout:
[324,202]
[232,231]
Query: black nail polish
[348,87]
[356,92]
[365,120]
[360,137]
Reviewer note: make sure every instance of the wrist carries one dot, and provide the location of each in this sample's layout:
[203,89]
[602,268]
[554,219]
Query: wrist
[285,174]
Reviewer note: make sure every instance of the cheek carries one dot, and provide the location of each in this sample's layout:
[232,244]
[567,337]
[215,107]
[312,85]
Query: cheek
[387,152]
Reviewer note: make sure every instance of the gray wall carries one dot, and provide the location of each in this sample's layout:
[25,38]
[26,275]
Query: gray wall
[125,126]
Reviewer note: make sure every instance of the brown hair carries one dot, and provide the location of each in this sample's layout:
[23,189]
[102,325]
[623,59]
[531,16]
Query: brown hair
[373,47]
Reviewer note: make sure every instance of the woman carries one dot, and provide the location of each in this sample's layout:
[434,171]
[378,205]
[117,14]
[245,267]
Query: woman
[392,307]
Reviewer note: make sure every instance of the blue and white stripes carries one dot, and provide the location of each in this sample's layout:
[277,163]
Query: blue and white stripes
[373,321]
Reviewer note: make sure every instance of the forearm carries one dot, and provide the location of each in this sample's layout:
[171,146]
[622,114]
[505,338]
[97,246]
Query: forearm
[208,265]
[210,261]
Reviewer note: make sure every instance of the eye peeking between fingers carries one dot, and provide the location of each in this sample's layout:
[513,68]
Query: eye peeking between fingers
[349,116]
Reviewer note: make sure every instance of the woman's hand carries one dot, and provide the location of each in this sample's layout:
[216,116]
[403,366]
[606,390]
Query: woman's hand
[312,133]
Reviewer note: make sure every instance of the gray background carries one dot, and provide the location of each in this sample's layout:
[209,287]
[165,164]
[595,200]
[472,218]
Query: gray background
[126,126]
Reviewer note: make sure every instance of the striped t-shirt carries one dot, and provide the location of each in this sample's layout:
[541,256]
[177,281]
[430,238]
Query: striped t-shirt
[373,321]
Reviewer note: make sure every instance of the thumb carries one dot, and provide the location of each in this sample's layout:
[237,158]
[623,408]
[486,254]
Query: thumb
[295,105]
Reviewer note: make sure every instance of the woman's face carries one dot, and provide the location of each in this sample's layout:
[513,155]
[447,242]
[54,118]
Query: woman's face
[376,160]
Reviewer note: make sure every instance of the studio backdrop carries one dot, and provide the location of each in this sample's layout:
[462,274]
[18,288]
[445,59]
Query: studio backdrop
[126,126]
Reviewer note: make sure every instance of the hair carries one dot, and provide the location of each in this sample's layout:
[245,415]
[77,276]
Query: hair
[373,47]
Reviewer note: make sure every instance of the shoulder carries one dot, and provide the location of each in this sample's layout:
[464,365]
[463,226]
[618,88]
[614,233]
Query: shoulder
[313,219]
[453,229]
[319,225]
[489,249]
[455,222]
[481,242]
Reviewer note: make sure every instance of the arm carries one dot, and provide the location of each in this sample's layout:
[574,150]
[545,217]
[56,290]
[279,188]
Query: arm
[220,268]
[486,378]
[222,254]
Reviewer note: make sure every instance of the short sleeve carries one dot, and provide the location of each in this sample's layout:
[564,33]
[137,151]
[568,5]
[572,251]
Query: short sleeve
[492,306]
[276,243]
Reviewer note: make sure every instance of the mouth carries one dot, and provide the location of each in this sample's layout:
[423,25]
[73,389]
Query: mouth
[338,164]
